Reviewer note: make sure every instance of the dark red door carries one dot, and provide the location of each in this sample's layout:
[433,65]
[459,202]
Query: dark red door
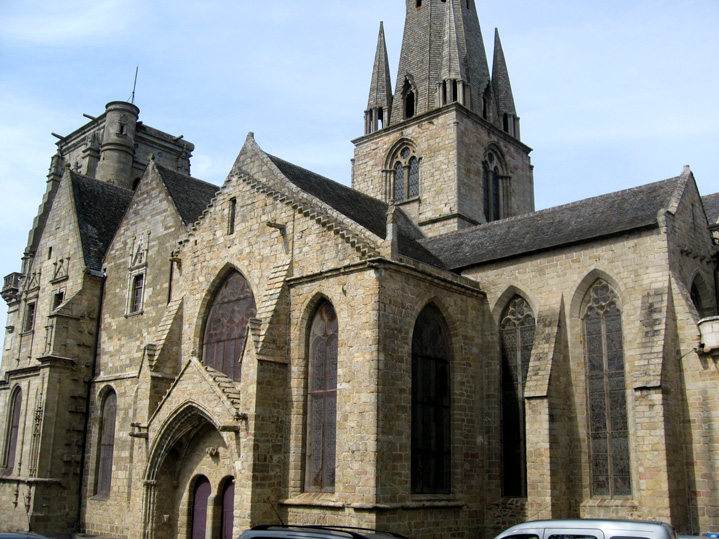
[199,507]
[228,509]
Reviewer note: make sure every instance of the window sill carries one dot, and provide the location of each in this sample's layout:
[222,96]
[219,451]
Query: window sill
[407,201]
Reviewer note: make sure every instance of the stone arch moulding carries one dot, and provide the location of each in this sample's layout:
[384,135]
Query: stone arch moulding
[446,318]
[181,422]
[580,292]
[400,143]
[506,296]
[308,311]
[203,309]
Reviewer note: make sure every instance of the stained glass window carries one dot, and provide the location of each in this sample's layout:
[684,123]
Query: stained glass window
[11,447]
[431,440]
[517,336]
[322,401]
[606,392]
[107,444]
[226,325]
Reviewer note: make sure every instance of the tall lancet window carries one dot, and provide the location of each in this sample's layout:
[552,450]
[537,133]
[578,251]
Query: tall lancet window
[106,450]
[226,325]
[606,392]
[491,188]
[517,336]
[431,405]
[13,429]
[322,401]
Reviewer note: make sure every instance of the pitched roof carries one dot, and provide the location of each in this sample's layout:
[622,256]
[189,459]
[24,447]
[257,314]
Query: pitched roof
[100,207]
[190,195]
[573,223]
[364,210]
[711,207]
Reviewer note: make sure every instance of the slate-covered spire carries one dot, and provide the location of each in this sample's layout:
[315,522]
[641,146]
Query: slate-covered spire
[453,84]
[380,92]
[436,30]
[503,90]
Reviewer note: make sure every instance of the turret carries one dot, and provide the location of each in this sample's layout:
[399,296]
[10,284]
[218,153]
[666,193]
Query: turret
[118,146]
[380,93]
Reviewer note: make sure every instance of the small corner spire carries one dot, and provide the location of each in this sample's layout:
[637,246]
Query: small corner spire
[380,93]
[502,90]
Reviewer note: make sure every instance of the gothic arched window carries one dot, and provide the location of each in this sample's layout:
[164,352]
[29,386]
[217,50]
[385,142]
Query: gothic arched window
[107,444]
[409,98]
[13,429]
[322,401]
[406,175]
[431,440]
[606,393]
[517,336]
[226,325]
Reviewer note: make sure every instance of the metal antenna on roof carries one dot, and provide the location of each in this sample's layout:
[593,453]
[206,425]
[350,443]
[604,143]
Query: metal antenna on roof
[132,99]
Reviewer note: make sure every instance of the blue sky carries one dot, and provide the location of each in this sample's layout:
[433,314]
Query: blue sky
[611,94]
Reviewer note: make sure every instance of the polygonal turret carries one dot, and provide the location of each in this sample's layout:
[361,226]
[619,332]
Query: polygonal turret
[380,93]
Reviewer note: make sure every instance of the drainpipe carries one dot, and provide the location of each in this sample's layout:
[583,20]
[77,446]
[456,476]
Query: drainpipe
[83,453]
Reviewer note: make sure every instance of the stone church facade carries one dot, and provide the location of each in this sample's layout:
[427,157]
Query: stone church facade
[422,352]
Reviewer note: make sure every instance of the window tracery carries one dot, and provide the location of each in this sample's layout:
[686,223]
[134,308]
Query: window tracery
[406,175]
[606,393]
[226,325]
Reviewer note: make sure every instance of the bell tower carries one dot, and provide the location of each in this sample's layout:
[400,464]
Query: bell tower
[445,145]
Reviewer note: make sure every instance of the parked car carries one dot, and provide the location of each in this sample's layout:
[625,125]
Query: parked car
[589,529]
[277,531]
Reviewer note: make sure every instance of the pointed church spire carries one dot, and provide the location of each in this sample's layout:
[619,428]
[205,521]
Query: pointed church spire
[380,92]
[442,41]
[503,90]
[453,75]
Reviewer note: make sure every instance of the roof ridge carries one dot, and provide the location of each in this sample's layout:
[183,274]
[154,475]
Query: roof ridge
[553,209]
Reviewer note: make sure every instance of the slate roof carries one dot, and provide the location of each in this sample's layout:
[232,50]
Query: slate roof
[190,195]
[100,207]
[364,210]
[573,223]
[711,207]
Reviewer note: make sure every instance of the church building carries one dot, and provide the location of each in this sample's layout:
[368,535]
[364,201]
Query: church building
[421,352]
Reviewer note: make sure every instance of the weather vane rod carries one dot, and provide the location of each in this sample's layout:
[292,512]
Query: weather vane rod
[132,99]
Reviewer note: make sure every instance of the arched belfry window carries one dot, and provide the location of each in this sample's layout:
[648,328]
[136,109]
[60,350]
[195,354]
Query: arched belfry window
[517,336]
[226,326]
[431,417]
[409,100]
[106,448]
[405,180]
[492,187]
[11,446]
[606,393]
[322,401]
